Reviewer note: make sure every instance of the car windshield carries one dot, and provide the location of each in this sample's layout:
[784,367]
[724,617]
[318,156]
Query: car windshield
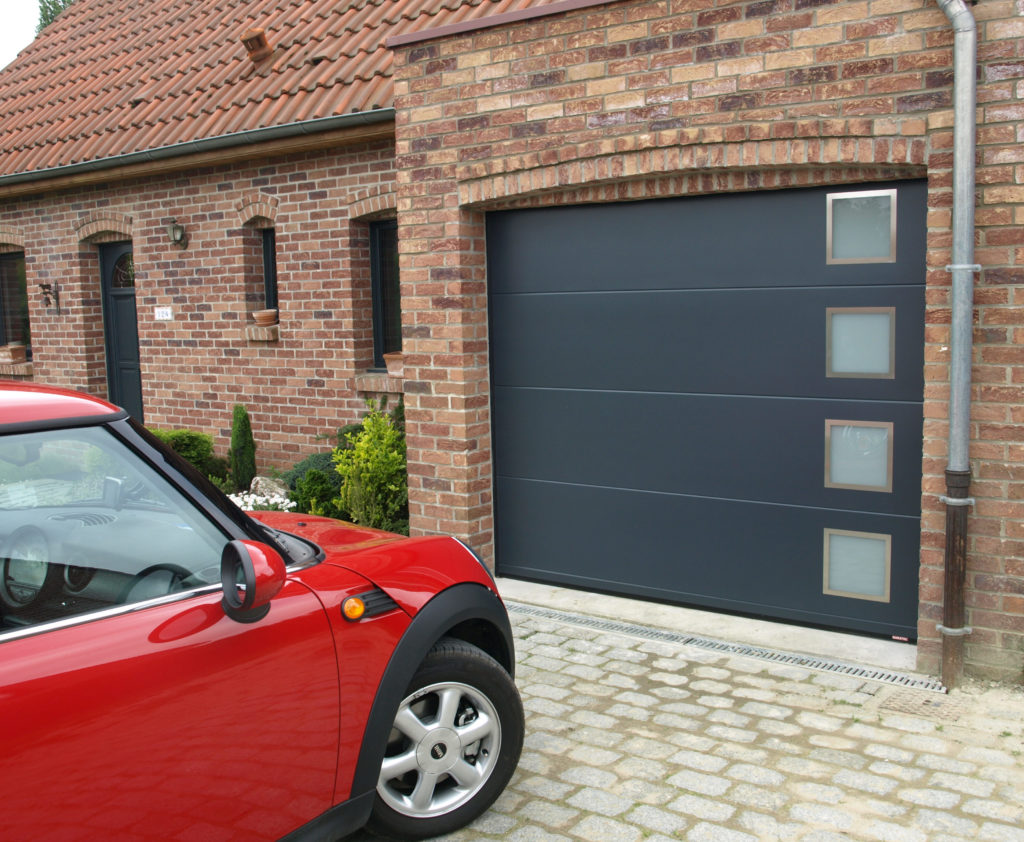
[86,523]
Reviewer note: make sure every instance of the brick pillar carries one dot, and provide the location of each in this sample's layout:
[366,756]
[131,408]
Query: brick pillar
[444,315]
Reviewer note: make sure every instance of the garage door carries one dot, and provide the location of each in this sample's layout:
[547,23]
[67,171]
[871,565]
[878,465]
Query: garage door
[715,401]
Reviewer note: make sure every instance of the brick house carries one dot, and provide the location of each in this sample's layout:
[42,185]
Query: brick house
[674,301]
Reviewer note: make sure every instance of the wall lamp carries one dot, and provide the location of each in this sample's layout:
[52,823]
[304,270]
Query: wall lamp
[177,235]
[51,295]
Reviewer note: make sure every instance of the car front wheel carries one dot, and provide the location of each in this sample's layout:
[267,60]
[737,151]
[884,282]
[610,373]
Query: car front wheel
[453,747]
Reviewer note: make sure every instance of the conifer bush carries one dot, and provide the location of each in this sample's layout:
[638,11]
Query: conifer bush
[242,455]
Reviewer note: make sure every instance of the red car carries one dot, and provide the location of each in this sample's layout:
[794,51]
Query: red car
[174,669]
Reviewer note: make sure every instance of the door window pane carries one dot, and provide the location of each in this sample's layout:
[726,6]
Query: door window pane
[858,455]
[857,564]
[861,227]
[860,342]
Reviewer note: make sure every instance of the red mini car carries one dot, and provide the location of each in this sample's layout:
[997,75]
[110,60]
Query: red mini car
[174,669]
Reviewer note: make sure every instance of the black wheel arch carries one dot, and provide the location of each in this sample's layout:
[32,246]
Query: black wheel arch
[469,612]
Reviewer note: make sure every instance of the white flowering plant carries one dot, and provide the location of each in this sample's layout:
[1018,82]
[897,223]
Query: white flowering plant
[262,502]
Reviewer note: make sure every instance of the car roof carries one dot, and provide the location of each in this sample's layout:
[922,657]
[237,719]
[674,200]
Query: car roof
[23,402]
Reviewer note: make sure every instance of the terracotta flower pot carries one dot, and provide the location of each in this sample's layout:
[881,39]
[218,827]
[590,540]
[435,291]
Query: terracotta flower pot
[395,362]
[264,318]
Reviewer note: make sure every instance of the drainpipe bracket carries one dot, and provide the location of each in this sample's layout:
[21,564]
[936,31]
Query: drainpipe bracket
[956,501]
[961,632]
[974,267]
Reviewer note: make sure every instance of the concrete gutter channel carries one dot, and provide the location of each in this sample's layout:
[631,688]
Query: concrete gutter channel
[655,723]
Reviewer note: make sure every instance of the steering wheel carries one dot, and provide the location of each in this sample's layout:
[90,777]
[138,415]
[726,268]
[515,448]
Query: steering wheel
[156,581]
[26,575]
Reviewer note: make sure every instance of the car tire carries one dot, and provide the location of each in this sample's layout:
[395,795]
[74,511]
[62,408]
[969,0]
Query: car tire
[454,745]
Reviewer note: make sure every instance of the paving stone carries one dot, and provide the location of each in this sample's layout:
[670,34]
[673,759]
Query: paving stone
[699,760]
[546,813]
[710,833]
[535,834]
[589,776]
[600,827]
[942,822]
[889,832]
[1001,833]
[818,792]
[702,808]
[963,783]
[643,792]
[655,819]
[737,735]
[755,775]
[596,801]
[778,729]
[697,782]
[863,781]
[816,814]
[758,797]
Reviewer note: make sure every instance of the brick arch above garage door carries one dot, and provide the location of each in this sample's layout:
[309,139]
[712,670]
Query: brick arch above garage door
[661,406]
[696,164]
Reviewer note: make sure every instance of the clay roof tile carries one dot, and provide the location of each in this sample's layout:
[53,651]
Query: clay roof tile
[108,78]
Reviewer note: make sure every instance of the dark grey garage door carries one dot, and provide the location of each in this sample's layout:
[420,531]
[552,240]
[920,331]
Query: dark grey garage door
[715,401]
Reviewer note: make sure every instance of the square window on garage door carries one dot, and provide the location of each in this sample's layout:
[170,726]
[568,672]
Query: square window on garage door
[860,342]
[858,564]
[858,455]
[861,227]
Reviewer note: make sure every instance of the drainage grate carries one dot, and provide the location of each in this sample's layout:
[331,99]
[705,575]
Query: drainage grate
[788,658]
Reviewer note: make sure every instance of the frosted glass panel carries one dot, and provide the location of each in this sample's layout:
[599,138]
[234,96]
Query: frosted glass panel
[858,455]
[857,564]
[860,343]
[862,227]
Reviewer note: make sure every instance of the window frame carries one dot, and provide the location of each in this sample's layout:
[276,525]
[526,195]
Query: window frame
[385,290]
[829,223]
[268,237]
[885,538]
[13,259]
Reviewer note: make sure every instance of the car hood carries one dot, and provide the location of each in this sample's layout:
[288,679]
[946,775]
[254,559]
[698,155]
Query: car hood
[410,570]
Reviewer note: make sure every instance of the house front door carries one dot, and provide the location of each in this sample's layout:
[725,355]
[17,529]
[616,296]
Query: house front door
[121,327]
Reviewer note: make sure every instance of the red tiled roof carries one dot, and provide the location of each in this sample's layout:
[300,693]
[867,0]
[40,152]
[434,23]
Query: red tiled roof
[110,78]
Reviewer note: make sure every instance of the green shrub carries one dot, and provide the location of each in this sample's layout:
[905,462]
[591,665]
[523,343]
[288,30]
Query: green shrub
[192,446]
[374,487]
[317,493]
[323,462]
[217,470]
[242,455]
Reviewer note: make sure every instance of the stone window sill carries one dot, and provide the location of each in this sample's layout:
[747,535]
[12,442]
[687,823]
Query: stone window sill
[255,333]
[16,369]
[377,380]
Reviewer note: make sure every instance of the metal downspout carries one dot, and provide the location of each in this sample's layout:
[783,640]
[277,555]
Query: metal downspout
[958,471]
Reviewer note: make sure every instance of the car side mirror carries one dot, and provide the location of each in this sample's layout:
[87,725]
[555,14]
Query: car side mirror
[251,574]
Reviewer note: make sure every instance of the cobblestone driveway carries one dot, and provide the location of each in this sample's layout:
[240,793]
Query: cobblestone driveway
[634,739]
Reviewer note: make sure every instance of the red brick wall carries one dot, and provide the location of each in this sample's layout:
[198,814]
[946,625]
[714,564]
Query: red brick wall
[195,367]
[640,99]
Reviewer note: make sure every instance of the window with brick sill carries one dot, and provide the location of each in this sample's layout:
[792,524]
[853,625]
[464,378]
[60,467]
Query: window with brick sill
[261,285]
[14,323]
[384,288]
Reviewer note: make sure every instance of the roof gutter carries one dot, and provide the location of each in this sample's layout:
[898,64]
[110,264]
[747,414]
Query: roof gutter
[962,268]
[203,145]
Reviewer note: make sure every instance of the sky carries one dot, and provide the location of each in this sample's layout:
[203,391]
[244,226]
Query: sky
[17,27]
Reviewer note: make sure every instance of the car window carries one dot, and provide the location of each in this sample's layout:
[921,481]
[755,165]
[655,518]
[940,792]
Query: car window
[87,524]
